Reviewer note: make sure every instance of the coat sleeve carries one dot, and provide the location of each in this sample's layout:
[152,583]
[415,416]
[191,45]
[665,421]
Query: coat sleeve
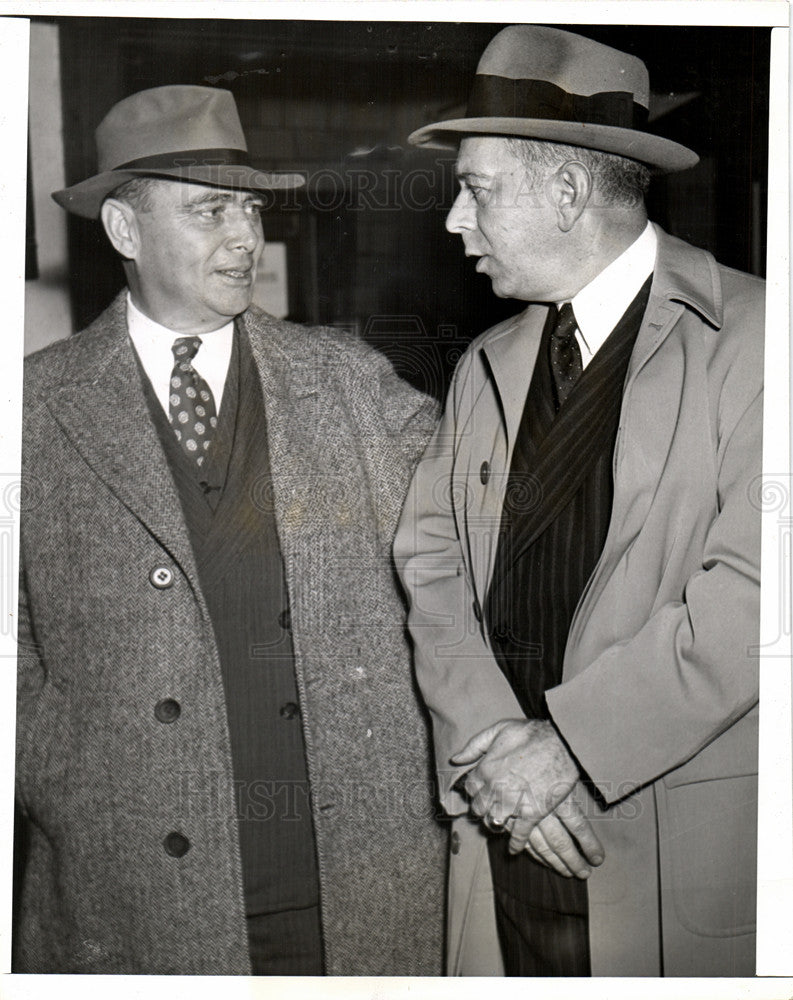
[410,416]
[31,676]
[459,678]
[391,422]
[649,704]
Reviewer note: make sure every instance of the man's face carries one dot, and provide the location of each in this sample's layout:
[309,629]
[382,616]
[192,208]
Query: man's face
[507,221]
[197,255]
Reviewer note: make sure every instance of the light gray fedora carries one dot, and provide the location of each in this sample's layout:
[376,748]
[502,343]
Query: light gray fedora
[178,131]
[544,83]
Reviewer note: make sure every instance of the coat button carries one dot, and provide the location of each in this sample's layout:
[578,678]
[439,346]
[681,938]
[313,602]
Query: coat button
[285,620]
[176,844]
[161,577]
[454,845]
[289,710]
[484,473]
[167,710]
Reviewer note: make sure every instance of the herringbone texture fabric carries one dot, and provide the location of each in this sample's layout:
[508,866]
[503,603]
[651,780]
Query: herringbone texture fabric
[105,780]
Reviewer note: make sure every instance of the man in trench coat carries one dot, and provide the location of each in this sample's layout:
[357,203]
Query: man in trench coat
[222,764]
[581,549]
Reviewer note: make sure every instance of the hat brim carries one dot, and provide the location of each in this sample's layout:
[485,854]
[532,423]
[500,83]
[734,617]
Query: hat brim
[86,197]
[663,154]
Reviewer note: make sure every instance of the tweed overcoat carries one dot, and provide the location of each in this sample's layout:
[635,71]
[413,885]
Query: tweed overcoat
[658,699]
[101,782]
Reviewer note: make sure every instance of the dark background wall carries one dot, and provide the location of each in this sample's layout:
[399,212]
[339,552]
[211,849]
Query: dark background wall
[366,244]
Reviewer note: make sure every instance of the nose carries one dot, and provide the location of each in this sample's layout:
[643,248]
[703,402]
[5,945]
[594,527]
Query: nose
[461,215]
[245,231]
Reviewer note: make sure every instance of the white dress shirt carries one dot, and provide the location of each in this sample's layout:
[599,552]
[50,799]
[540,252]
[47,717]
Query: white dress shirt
[599,306]
[153,343]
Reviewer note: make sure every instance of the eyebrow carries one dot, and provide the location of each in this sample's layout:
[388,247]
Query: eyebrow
[201,199]
[223,196]
[464,175]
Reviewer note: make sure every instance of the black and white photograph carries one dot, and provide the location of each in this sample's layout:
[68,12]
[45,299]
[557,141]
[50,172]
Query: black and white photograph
[401,527]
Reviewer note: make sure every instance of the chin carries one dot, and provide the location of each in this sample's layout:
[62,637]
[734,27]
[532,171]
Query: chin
[233,305]
[500,290]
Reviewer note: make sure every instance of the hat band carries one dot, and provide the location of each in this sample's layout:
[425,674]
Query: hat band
[188,158]
[501,97]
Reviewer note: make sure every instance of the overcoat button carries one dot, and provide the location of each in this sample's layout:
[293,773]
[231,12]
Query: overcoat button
[477,612]
[161,577]
[484,473]
[289,710]
[176,844]
[167,710]
[454,845]
[285,619]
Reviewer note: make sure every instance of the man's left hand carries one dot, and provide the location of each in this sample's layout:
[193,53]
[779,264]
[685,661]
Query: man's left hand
[563,840]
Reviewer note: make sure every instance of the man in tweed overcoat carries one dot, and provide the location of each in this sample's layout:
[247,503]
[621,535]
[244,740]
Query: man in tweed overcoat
[222,766]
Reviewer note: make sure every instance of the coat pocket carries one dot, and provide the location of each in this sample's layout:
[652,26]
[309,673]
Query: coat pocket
[712,853]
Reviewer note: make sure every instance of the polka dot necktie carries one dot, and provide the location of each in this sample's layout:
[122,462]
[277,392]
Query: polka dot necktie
[566,366]
[192,405]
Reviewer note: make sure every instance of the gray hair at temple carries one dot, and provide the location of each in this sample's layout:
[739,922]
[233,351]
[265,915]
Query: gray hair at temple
[618,180]
[137,192]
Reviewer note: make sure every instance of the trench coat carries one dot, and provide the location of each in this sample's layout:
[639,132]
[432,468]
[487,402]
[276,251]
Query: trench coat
[113,622]
[658,698]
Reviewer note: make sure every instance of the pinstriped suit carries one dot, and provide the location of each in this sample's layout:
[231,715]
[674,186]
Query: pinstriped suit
[658,698]
[546,552]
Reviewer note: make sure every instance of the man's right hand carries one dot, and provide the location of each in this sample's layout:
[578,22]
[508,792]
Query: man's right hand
[563,840]
[524,780]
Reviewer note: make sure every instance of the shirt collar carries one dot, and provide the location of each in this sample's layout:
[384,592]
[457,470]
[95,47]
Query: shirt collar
[599,306]
[153,343]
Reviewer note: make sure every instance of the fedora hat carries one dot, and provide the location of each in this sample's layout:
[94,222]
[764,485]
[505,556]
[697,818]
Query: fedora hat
[180,132]
[543,83]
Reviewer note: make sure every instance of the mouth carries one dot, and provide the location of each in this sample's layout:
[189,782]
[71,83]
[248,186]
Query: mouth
[237,275]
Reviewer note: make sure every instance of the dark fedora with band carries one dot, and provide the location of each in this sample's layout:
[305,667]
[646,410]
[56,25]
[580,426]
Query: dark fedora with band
[544,83]
[178,132]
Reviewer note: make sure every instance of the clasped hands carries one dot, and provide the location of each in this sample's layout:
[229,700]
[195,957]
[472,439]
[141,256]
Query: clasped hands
[525,781]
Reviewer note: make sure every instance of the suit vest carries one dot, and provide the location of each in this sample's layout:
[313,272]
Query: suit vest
[229,513]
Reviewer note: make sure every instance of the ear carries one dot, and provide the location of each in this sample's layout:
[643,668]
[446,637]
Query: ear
[570,190]
[121,226]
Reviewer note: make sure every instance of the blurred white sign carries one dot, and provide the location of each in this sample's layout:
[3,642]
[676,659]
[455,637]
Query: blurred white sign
[270,290]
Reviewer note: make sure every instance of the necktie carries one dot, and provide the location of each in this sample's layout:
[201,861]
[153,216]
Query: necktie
[192,405]
[566,365]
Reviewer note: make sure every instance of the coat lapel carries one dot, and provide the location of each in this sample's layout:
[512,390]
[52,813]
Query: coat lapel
[507,355]
[584,426]
[511,355]
[290,382]
[237,517]
[683,276]
[102,409]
